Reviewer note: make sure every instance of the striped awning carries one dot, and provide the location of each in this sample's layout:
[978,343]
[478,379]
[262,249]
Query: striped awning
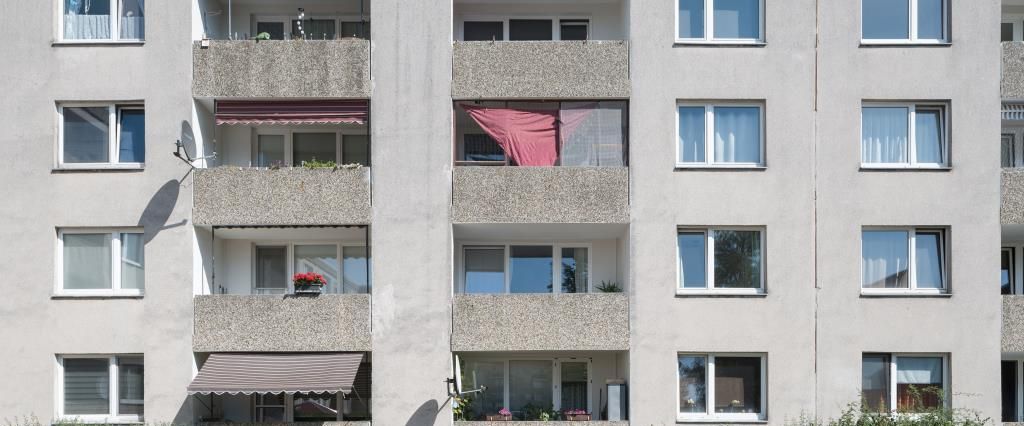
[1013,111]
[292,112]
[249,373]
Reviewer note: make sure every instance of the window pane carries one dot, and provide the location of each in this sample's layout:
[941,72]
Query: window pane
[483,31]
[1006,271]
[574,29]
[355,149]
[575,265]
[355,29]
[529,29]
[481,147]
[1008,381]
[928,259]
[356,273]
[133,24]
[269,150]
[574,386]
[885,19]
[530,269]
[928,135]
[929,19]
[133,136]
[321,259]
[918,383]
[490,374]
[1006,32]
[691,18]
[692,260]
[691,134]
[737,385]
[274,29]
[308,407]
[86,386]
[485,270]
[885,256]
[529,382]
[875,382]
[314,29]
[314,146]
[274,414]
[692,384]
[737,19]
[271,270]
[87,261]
[1007,154]
[884,134]
[130,372]
[133,263]
[737,134]
[737,259]
[85,134]
[86,19]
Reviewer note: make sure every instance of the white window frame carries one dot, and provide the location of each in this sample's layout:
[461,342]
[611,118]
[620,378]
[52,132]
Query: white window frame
[709,390]
[709,135]
[709,260]
[339,250]
[556,378]
[556,23]
[912,108]
[115,289]
[1016,265]
[912,26]
[893,373]
[709,27]
[912,261]
[289,146]
[114,395]
[556,263]
[1019,386]
[113,135]
[115,28]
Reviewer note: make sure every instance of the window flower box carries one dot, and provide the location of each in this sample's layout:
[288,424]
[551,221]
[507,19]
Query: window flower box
[308,283]
[504,415]
[576,416]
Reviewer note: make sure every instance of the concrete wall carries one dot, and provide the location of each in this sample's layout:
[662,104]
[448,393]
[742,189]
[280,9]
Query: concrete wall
[540,195]
[965,325]
[411,127]
[37,201]
[288,196]
[1011,85]
[328,322]
[607,20]
[282,69]
[1011,210]
[540,70]
[538,322]
[1013,324]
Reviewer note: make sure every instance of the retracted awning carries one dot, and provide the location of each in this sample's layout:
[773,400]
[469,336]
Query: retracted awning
[249,373]
[292,112]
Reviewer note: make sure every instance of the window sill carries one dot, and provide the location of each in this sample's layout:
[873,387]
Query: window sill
[100,419]
[885,294]
[724,167]
[898,43]
[715,420]
[100,168]
[98,43]
[65,296]
[718,43]
[719,293]
[904,169]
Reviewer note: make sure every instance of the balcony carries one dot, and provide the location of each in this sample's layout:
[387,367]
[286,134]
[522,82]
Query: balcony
[1013,323]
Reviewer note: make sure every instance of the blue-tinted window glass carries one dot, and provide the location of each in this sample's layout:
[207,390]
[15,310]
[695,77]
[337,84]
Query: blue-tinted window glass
[692,260]
[485,270]
[530,269]
[691,18]
[737,135]
[928,259]
[928,135]
[691,134]
[886,259]
[929,19]
[133,136]
[885,19]
[737,19]
[85,134]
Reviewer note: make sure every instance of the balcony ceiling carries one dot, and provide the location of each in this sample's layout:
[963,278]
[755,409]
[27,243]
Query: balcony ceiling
[540,231]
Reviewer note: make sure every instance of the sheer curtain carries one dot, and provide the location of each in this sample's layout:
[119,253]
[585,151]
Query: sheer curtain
[884,134]
[886,258]
[737,135]
[87,261]
[691,134]
[593,133]
[133,23]
[87,19]
[928,135]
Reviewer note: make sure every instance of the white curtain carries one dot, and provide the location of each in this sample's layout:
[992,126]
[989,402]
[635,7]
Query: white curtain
[133,24]
[886,258]
[593,133]
[928,135]
[86,27]
[737,135]
[87,261]
[133,263]
[918,370]
[884,134]
[691,134]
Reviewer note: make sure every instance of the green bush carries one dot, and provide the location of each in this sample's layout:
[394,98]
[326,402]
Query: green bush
[916,414]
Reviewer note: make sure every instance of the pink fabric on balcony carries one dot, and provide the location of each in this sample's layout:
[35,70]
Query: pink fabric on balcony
[528,137]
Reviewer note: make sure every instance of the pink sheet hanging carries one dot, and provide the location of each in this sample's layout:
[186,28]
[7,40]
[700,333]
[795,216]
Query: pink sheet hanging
[528,137]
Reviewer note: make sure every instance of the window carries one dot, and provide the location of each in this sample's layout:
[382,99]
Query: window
[100,262]
[344,267]
[530,29]
[519,384]
[720,260]
[903,21]
[909,382]
[1008,151]
[526,29]
[103,20]
[574,29]
[1011,380]
[903,259]
[1012,27]
[101,136]
[87,384]
[320,27]
[721,387]
[281,147]
[720,21]
[1006,31]
[729,135]
[1008,277]
[526,269]
[897,135]
[483,31]
[270,407]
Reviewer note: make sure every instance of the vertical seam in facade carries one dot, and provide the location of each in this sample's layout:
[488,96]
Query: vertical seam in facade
[814,201]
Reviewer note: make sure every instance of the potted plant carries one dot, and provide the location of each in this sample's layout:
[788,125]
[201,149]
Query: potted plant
[576,415]
[504,415]
[308,283]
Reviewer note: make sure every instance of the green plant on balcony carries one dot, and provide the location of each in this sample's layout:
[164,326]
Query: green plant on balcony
[316,164]
[463,408]
[609,287]
[920,407]
[262,36]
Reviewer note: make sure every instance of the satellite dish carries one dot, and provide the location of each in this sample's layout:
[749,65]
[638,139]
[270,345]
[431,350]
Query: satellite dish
[457,368]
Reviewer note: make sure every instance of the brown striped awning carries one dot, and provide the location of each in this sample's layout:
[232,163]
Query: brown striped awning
[292,112]
[249,373]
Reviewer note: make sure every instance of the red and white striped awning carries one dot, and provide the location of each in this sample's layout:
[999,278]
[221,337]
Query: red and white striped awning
[249,373]
[292,112]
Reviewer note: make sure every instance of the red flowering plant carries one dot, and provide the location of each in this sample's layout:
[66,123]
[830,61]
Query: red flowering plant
[308,278]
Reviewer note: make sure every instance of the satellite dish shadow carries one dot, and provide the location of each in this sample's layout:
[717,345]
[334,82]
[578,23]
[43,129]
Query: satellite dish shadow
[425,415]
[158,210]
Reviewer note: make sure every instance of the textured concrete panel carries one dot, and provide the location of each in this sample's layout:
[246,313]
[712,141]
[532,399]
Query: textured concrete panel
[353,423]
[1011,209]
[540,322]
[275,323]
[1013,323]
[540,195]
[289,196]
[540,69]
[281,69]
[538,423]
[1012,82]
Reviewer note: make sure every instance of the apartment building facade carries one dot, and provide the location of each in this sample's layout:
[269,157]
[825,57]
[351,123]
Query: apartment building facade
[609,211]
